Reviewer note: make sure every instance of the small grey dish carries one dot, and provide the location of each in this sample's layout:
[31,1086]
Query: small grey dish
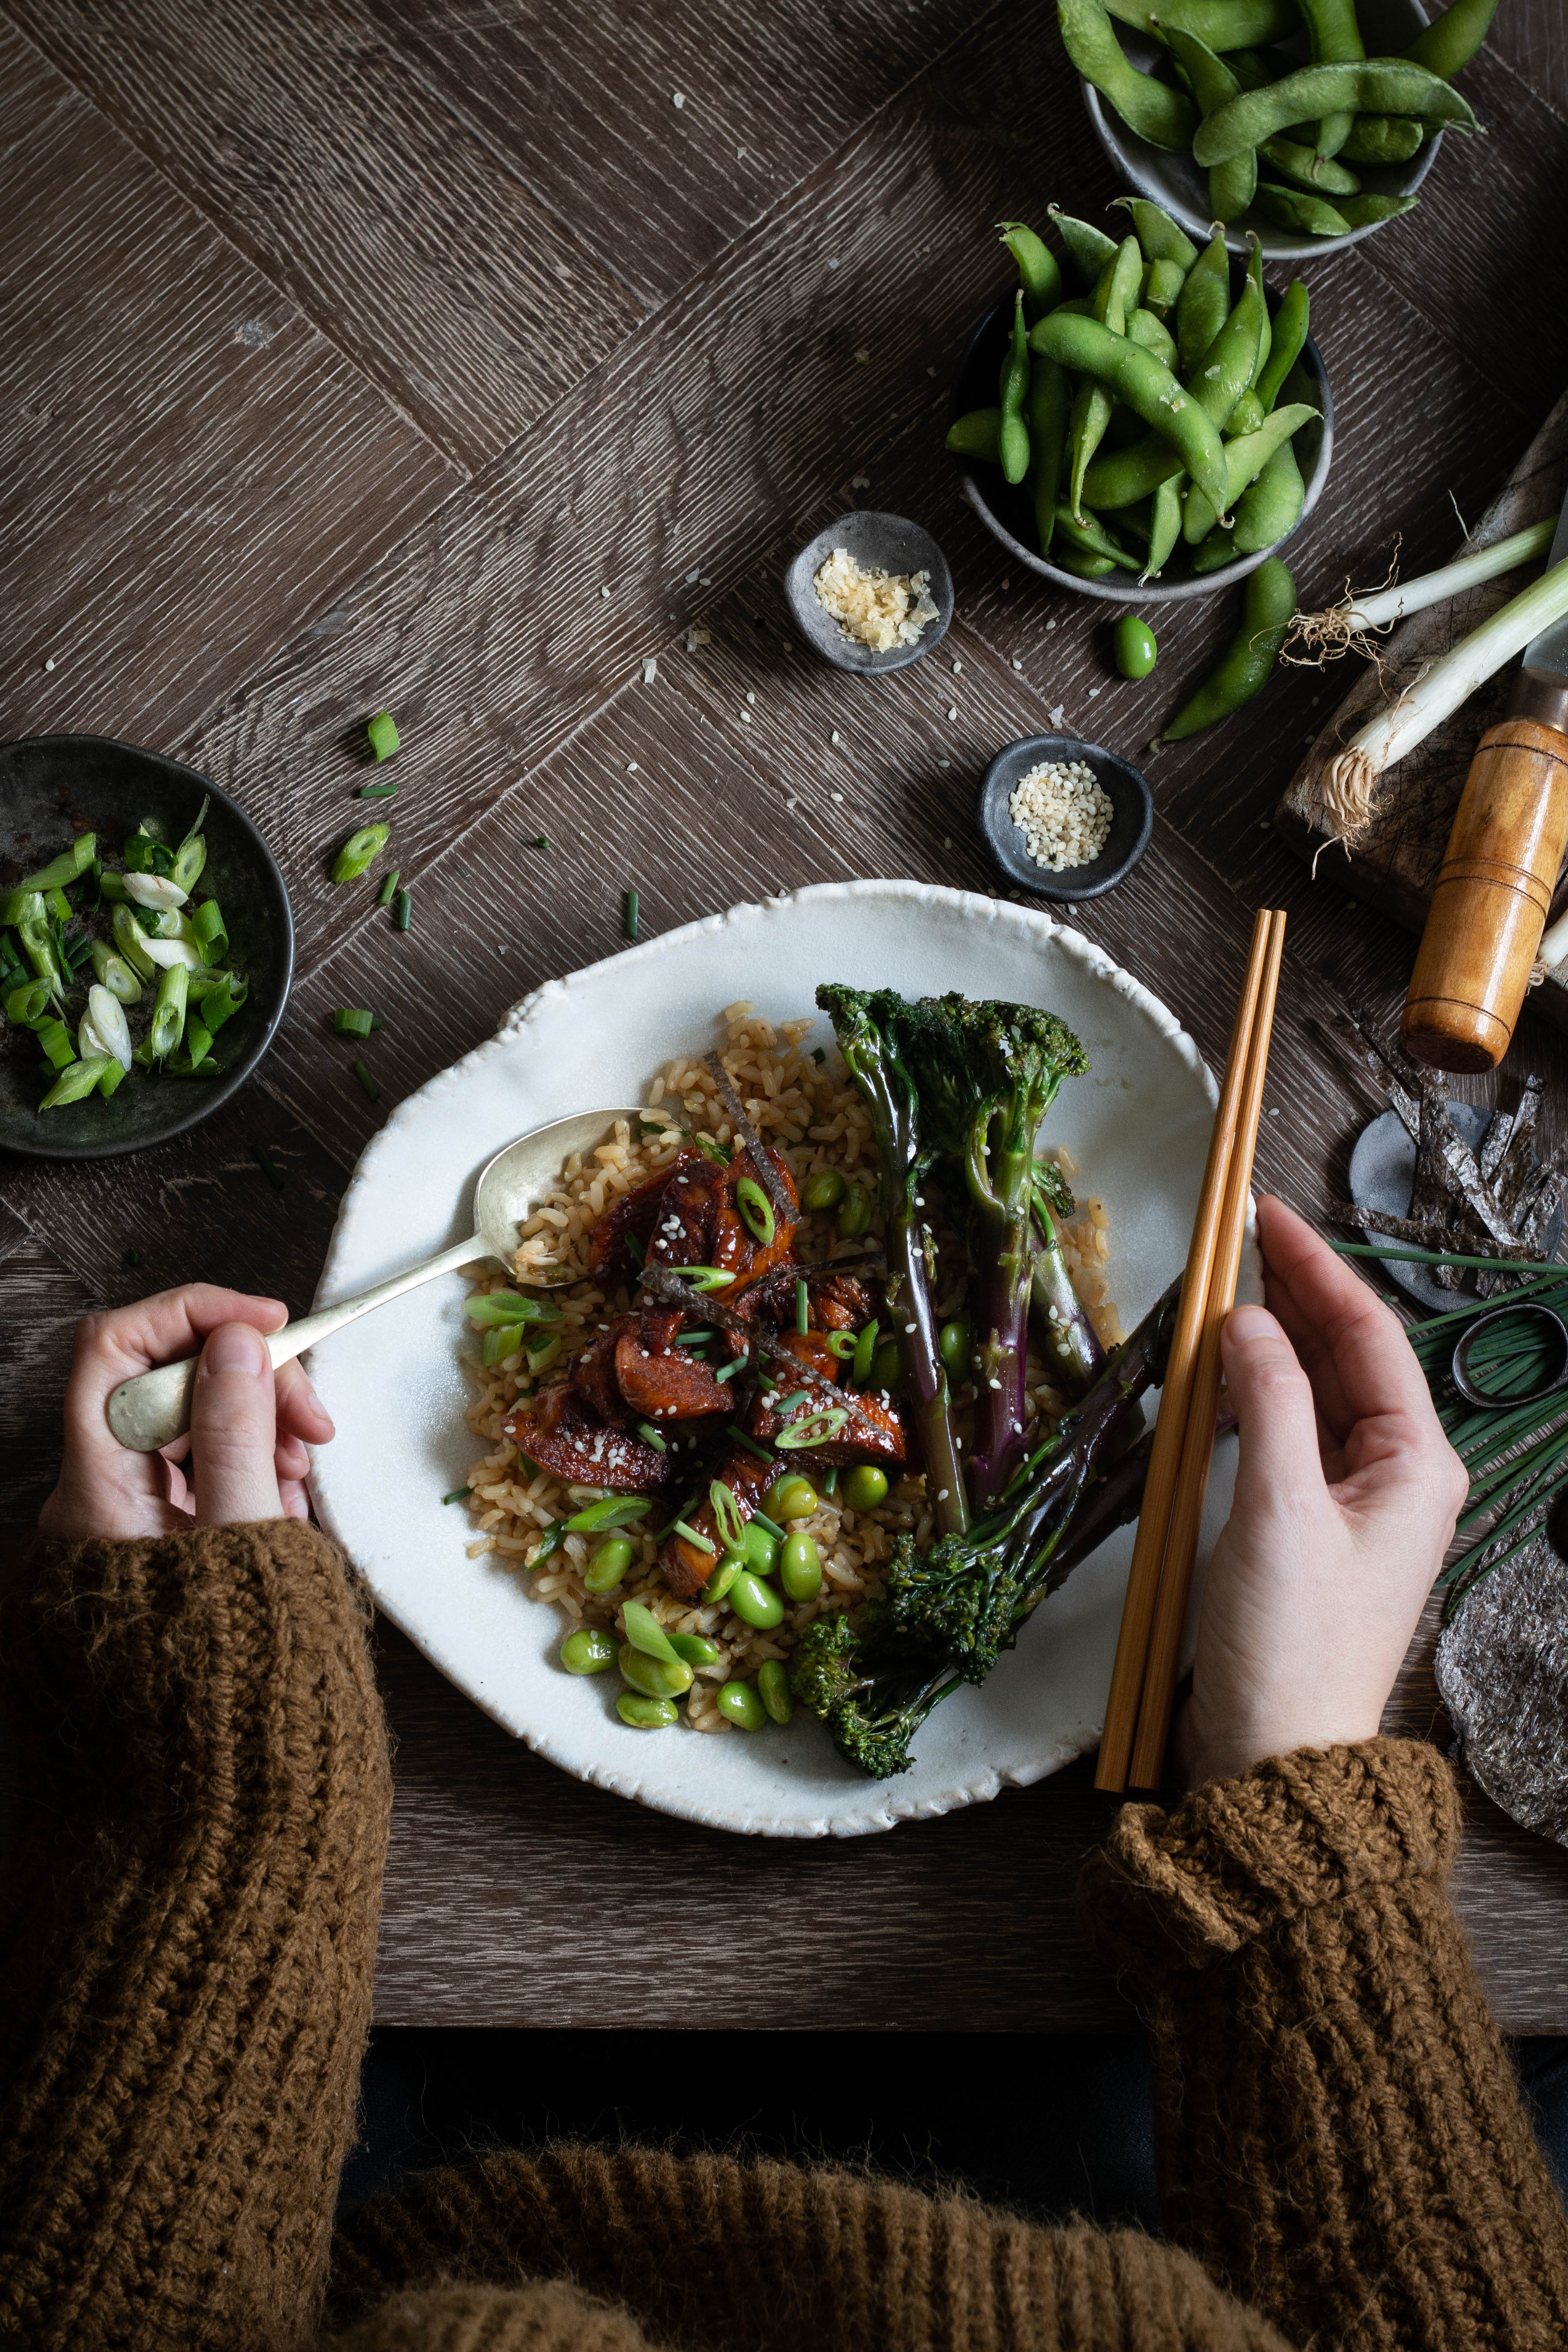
[1007,512]
[1132,822]
[1174,181]
[54,786]
[1383,1177]
[879,542]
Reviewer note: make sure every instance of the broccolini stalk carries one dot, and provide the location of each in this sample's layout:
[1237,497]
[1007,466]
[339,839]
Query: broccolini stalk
[1068,1339]
[987,1075]
[863,1022]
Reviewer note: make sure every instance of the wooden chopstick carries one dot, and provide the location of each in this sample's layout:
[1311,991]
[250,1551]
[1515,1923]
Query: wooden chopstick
[1197,1451]
[1170,1428]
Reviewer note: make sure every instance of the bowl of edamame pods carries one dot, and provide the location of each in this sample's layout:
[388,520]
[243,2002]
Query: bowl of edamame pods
[1310,123]
[1141,420]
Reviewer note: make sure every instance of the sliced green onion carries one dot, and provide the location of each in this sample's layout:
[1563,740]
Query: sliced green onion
[220,1004]
[842,1344]
[541,841]
[728,1372]
[382,733]
[727,1515]
[457,1495]
[693,1339]
[816,1429]
[211,932]
[171,955]
[22,907]
[510,1306]
[77,1079]
[28,1003]
[651,1436]
[761,1519]
[402,910]
[112,887]
[682,1528]
[359,851]
[169,1008]
[198,820]
[640,1255]
[830,1480]
[864,1350]
[189,860]
[65,869]
[501,1340]
[352,1021]
[197,1047]
[387,891]
[704,1277]
[612,1511]
[112,1078]
[78,951]
[114,973]
[103,1028]
[56,1040]
[39,947]
[631,915]
[802,1305]
[540,1359]
[132,941]
[58,905]
[757,1210]
[645,1632]
[144,855]
[367,1081]
[732,1429]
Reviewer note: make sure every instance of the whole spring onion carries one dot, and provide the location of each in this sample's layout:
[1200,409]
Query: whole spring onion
[1336,631]
[360,851]
[1352,778]
[169,1008]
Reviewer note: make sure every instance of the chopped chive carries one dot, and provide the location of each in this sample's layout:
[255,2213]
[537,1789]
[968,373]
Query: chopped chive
[830,1481]
[457,1495]
[730,1371]
[631,920]
[681,1529]
[693,1339]
[388,889]
[376,792]
[382,732]
[750,1444]
[352,1021]
[800,1396]
[646,1431]
[772,1525]
[367,1081]
[802,1305]
[268,1165]
[403,906]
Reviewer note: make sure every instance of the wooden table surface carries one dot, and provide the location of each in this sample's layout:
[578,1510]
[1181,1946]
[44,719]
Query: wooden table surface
[354,350]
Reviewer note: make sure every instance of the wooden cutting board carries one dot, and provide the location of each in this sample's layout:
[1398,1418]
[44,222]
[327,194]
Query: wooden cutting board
[1394,862]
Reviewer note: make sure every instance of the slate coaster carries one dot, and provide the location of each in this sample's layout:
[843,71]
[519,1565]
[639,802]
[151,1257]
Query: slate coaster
[1502,1672]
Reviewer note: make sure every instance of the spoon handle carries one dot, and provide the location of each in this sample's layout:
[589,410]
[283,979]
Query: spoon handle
[154,1408]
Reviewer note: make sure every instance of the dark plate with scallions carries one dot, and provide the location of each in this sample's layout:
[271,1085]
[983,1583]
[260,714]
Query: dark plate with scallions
[146,946]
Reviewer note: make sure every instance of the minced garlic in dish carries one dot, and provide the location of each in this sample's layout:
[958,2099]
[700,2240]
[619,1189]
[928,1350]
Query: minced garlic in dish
[879,609]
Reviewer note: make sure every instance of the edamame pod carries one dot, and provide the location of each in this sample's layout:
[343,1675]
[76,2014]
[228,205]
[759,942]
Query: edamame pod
[1037,267]
[1269,606]
[1452,38]
[1164,525]
[1243,461]
[1378,86]
[1137,377]
[1089,535]
[1084,567]
[1160,238]
[1090,411]
[1204,304]
[1154,336]
[1303,167]
[1223,24]
[1233,185]
[1162,286]
[1272,503]
[1151,107]
[1381,139]
[1365,212]
[1334,37]
[1121,478]
[1230,363]
[1049,398]
[1013,434]
[1265,322]
[978,434]
[1289,333]
[1218,550]
[1303,216]
[1247,416]
[1088,247]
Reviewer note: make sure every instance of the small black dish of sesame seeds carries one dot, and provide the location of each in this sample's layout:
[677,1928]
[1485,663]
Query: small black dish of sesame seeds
[1130,818]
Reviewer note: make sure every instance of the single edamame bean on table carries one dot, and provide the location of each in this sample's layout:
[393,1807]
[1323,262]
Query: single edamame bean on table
[1136,651]
[647,1713]
[978,434]
[608,1565]
[738,1703]
[773,1690]
[1453,37]
[854,1213]
[1159,236]
[866,1488]
[789,1497]
[825,1189]
[1013,435]
[655,1677]
[800,1567]
[1204,304]
[1223,24]
[1151,107]
[1233,183]
[1378,86]
[755,1602]
[588,1651]
[1269,606]
[1037,267]
[1138,378]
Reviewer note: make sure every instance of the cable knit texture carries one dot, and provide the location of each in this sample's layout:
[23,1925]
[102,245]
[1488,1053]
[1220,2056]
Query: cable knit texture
[186,1954]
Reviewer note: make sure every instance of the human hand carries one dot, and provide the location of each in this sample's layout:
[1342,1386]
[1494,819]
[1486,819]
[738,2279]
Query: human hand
[1346,1496]
[249,1426]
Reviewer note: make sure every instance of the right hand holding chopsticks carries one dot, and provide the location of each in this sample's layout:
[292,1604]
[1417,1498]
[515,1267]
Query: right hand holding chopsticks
[1346,1496]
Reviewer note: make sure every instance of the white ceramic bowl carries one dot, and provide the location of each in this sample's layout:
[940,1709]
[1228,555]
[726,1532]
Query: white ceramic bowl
[1138,1126]
[1388,27]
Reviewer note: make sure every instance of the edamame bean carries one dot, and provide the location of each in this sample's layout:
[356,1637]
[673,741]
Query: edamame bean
[1049,400]
[755,1602]
[1151,107]
[1382,141]
[740,1705]
[724,1575]
[1037,267]
[1289,334]
[1139,379]
[1452,38]
[791,1497]
[800,1569]
[695,1648]
[952,1346]
[761,1550]
[1272,505]
[1303,167]
[773,1690]
[1165,524]
[887,1363]
[978,434]
[1090,535]
[1269,606]
[1233,185]
[1088,247]
[608,1565]
[1154,336]
[824,1190]
[1245,460]
[1013,434]
[866,1488]
[1136,652]
[1204,305]
[1378,86]
[854,1213]
[655,1677]
[1159,236]
[588,1651]
[1223,24]
[1116,293]
[647,1713]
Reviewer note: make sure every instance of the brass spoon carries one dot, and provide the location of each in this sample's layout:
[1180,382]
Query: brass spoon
[154,1408]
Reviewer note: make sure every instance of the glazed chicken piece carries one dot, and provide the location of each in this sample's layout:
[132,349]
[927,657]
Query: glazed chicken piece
[873,1432]
[610,1257]
[560,1433]
[685,1567]
[698,1222]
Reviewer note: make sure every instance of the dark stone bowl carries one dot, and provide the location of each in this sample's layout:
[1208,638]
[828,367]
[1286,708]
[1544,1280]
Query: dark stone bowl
[1131,826]
[879,542]
[46,781]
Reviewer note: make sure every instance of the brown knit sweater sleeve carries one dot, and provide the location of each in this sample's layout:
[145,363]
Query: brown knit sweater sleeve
[1338,2134]
[187,1936]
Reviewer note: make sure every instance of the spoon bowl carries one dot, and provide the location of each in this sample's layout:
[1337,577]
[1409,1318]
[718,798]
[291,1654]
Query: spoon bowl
[154,1408]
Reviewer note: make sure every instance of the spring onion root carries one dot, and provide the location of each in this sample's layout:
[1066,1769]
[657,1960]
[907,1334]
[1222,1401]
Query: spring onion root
[1347,626]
